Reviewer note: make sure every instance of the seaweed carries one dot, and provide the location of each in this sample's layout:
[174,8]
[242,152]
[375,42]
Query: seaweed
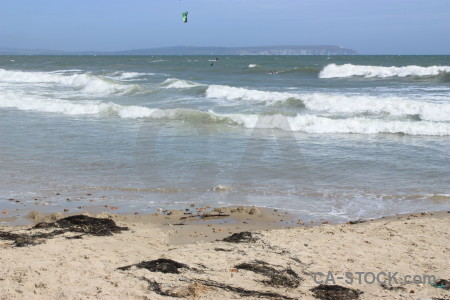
[156,287]
[193,290]
[335,292]
[223,249]
[392,288]
[277,278]
[79,223]
[20,240]
[359,221]
[241,237]
[443,284]
[84,224]
[197,286]
[205,216]
[243,292]
[159,265]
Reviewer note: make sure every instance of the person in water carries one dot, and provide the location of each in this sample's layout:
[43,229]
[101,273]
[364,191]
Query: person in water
[217,59]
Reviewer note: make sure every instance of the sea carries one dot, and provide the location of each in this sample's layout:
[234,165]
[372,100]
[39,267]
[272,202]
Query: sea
[323,137]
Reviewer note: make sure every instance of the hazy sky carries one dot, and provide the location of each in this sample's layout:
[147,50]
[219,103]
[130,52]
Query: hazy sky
[367,26]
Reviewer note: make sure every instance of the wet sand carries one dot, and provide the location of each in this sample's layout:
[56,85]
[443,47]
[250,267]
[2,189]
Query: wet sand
[266,254]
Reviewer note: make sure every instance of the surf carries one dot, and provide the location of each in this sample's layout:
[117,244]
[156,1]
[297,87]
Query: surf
[367,71]
[85,82]
[339,103]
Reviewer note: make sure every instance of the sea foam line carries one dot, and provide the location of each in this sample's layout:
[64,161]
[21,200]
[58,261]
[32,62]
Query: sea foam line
[238,93]
[319,124]
[393,105]
[337,103]
[88,83]
[349,70]
[174,83]
[301,122]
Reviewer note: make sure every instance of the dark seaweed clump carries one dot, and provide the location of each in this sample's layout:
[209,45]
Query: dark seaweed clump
[277,278]
[356,222]
[159,265]
[335,292]
[84,224]
[241,237]
[170,266]
[79,223]
[20,240]
[443,284]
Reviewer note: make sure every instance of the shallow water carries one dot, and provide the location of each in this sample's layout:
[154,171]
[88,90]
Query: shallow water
[335,137]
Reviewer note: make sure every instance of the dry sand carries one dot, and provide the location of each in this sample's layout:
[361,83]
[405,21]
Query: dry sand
[276,263]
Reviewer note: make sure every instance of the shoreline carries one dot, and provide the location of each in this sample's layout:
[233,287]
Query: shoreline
[263,259]
[26,215]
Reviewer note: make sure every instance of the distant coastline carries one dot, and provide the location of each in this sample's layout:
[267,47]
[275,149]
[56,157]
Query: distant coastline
[190,50]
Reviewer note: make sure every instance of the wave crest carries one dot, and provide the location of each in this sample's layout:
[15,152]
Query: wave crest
[87,83]
[349,70]
[318,124]
[336,103]
[174,83]
[237,93]
[394,106]
[300,122]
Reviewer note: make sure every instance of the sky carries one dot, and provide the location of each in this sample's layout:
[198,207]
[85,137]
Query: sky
[367,26]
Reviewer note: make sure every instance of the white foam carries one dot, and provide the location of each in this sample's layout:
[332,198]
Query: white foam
[88,83]
[349,70]
[174,83]
[318,124]
[128,76]
[338,103]
[137,112]
[53,106]
[87,108]
[301,122]
[395,106]
[236,93]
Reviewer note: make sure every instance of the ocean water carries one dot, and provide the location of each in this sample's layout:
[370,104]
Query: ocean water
[339,137]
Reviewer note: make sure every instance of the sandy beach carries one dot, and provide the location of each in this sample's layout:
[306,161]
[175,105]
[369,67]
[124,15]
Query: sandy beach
[225,253]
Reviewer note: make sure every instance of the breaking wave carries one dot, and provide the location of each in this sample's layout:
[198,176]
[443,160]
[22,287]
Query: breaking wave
[319,124]
[372,105]
[87,83]
[337,103]
[174,83]
[129,76]
[66,107]
[301,122]
[349,70]
[237,93]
